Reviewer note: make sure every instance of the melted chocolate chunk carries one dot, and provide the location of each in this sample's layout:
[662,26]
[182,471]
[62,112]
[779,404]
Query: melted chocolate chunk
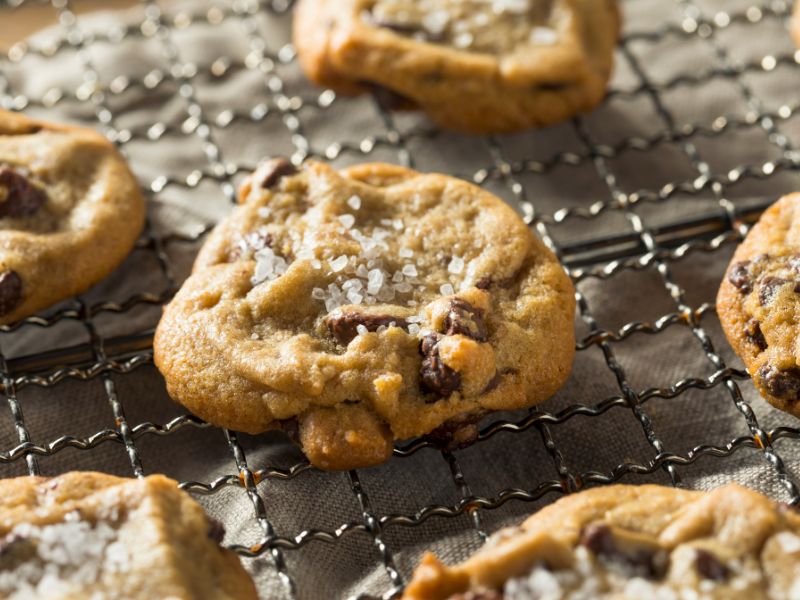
[22,198]
[783,384]
[269,173]
[769,286]
[458,432]
[599,539]
[344,325]
[464,319]
[401,28]
[436,377]
[388,99]
[10,291]
[493,383]
[740,278]
[709,566]
[216,530]
[754,335]
[484,283]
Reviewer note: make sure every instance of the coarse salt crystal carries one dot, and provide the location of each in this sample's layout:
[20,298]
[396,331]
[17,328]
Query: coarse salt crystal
[789,542]
[409,270]
[264,212]
[354,297]
[347,220]
[354,202]
[406,253]
[544,36]
[435,22]
[316,264]
[361,329]
[413,328]
[398,224]
[456,265]
[338,263]
[403,287]
[254,336]
[447,290]
[511,6]
[375,281]
[463,40]
[354,284]
[362,271]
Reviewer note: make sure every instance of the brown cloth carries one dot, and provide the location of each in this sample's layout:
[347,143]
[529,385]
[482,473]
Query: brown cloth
[208,88]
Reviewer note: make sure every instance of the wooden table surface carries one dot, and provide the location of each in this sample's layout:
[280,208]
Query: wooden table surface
[18,23]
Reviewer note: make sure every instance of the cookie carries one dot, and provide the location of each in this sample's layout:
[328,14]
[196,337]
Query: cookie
[795,24]
[91,535]
[626,542]
[759,303]
[360,307]
[471,65]
[70,212]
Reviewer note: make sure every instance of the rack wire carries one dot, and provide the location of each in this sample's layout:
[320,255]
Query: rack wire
[639,239]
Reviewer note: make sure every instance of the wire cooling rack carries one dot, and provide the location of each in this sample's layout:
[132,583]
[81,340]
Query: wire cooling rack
[626,223]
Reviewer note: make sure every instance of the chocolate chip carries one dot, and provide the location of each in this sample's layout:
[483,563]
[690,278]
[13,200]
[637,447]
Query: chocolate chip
[484,283]
[600,540]
[754,335]
[709,566]
[272,171]
[22,198]
[343,325]
[464,319]
[740,278]
[436,377]
[10,291]
[768,287]
[781,383]
[401,28]
[493,383]
[216,530]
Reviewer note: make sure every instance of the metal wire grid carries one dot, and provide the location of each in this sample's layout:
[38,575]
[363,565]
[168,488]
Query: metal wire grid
[600,257]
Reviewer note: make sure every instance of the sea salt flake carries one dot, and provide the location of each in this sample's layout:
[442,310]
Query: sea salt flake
[375,282]
[403,287]
[413,328]
[397,277]
[338,263]
[447,290]
[347,220]
[362,271]
[398,224]
[361,329]
[254,336]
[318,294]
[456,265]
[409,270]
[316,264]
[354,284]
[264,212]
[354,202]
[406,253]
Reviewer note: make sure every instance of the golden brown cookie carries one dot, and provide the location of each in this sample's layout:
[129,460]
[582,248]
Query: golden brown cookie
[625,542]
[474,65]
[795,23]
[70,212]
[94,536]
[759,303]
[360,307]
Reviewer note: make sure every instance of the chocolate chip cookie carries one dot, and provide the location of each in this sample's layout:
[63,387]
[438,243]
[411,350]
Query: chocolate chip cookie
[474,65]
[360,307]
[626,542]
[91,535]
[70,212]
[759,303]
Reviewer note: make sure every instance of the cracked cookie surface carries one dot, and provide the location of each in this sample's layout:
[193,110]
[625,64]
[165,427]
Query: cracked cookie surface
[360,307]
[475,65]
[92,535]
[759,303]
[70,212]
[625,542]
